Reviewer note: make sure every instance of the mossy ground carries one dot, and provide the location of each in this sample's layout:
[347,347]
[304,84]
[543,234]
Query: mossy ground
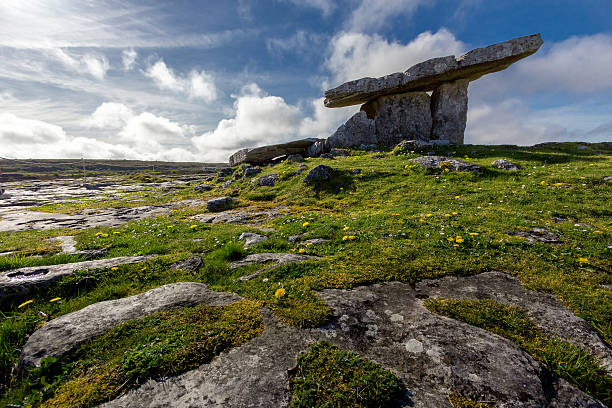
[402,219]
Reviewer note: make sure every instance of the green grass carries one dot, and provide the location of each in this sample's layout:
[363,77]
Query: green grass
[569,361]
[396,213]
[157,346]
[329,377]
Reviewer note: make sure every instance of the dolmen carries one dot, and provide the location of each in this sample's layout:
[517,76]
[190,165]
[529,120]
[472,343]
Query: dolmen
[398,106]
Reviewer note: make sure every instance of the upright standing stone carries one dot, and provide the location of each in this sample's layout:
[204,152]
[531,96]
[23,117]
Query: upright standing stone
[449,104]
[400,117]
[359,129]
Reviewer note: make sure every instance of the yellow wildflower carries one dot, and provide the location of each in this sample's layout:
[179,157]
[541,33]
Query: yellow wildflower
[591,164]
[459,240]
[55,299]
[558,184]
[456,245]
[351,237]
[279,293]
[450,239]
[114,268]
[582,178]
[345,229]
[395,214]
[344,238]
[293,249]
[429,215]
[583,260]
[193,226]
[305,224]
[144,268]
[301,251]
[457,196]
[170,226]
[99,233]
[597,232]
[406,166]
[474,233]
[412,152]
[447,215]
[116,232]
[104,235]
[454,213]
[421,220]
[543,183]
[25,304]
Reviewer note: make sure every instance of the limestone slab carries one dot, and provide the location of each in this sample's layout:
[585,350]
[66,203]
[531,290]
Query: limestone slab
[266,153]
[428,75]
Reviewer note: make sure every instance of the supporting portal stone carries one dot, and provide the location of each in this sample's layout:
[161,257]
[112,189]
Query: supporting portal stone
[449,104]
[359,129]
[400,117]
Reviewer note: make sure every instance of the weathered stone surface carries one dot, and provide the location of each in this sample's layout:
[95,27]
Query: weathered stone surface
[219,204]
[546,310]
[505,165]
[279,257]
[428,75]
[203,187]
[193,264]
[21,281]
[399,117]
[538,235]
[437,162]
[251,238]
[294,158]
[319,173]
[228,183]
[268,180]
[433,355]
[251,171]
[266,153]
[449,105]
[318,147]
[359,129]
[65,333]
[339,152]
[243,217]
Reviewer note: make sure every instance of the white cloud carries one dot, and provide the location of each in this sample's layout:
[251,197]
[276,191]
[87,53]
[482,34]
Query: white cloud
[355,55]
[302,41]
[94,65]
[128,58]
[17,131]
[110,115]
[199,85]
[372,14]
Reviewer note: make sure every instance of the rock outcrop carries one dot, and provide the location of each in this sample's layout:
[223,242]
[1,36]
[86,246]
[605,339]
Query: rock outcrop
[446,163]
[65,333]
[267,153]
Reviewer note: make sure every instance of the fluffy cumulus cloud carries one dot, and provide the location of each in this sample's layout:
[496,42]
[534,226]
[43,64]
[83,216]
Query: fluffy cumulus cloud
[110,115]
[372,14]
[199,85]
[357,55]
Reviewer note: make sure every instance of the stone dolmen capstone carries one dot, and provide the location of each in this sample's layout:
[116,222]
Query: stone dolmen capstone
[396,107]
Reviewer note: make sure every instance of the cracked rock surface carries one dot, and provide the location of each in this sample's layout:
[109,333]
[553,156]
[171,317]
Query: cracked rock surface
[66,332]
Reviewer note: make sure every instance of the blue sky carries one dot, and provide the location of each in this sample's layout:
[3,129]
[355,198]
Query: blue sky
[197,80]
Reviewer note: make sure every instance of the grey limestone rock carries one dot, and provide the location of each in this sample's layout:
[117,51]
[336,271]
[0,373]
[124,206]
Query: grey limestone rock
[242,216]
[251,238]
[317,148]
[401,116]
[193,264]
[279,258]
[538,235]
[505,165]
[268,180]
[428,75]
[294,158]
[437,162]
[359,129]
[251,171]
[228,183]
[203,187]
[21,281]
[339,152]
[319,173]
[449,105]
[267,153]
[219,204]
[65,333]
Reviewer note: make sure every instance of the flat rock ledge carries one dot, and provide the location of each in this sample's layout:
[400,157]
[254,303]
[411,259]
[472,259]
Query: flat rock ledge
[61,335]
[243,217]
[21,281]
[279,259]
[387,323]
[443,162]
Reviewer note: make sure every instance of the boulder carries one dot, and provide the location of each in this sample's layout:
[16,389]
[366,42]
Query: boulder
[359,129]
[505,165]
[538,235]
[319,173]
[65,333]
[267,153]
[203,187]
[294,158]
[449,105]
[251,171]
[251,238]
[429,75]
[193,264]
[219,204]
[317,148]
[268,180]
[439,162]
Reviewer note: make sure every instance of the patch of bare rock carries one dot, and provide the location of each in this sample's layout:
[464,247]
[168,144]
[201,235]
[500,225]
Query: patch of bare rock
[279,258]
[66,332]
[387,323]
[536,235]
[242,216]
[443,162]
[21,281]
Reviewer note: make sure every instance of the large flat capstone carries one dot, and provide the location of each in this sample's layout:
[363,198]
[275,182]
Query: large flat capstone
[428,75]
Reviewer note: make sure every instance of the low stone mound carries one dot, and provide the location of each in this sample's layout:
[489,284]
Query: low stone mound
[65,333]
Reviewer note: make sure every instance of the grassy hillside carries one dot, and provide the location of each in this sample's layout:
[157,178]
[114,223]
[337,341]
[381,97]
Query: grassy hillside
[391,222]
